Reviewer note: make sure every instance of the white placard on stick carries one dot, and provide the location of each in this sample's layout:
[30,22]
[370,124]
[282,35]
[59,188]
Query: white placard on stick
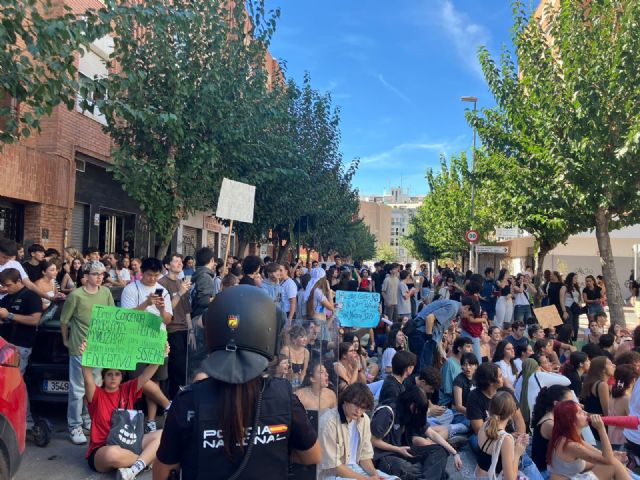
[236,201]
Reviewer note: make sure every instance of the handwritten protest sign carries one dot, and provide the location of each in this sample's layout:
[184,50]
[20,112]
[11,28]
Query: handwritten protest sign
[359,309]
[121,338]
[548,316]
[236,201]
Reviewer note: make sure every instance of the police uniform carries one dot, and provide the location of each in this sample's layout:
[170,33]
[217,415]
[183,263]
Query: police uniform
[242,327]
[193,422]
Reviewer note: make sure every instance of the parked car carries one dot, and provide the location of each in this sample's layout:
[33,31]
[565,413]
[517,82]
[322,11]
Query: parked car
[13,413]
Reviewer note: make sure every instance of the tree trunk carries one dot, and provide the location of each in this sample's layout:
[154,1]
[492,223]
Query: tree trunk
[614,295]
[164,247]
[242,246]
[544,247]
[283,251]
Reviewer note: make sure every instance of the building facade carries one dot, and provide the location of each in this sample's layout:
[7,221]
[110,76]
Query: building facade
[403,207]
[377,216]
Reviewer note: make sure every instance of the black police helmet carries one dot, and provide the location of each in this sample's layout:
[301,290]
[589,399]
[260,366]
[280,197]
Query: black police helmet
[242,327]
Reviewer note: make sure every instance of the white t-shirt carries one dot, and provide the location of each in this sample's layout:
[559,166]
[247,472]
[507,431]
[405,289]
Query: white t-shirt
[507,372]
[17,266]
[137,293]
[634,409]
[125,275]
[290,291]
[543,379]
[354,442]
[387,357]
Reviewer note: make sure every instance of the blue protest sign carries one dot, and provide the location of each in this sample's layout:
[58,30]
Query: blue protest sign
[358,309]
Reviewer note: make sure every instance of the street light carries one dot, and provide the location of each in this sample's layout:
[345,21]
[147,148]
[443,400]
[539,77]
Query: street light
[474,100]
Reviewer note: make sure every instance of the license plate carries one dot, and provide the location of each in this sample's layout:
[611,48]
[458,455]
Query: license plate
[55,386]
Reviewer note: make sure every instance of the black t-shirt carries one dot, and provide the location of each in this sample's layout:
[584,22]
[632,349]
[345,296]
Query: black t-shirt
[178,429]
[466,384]
[384,426]
[246,280]
[478,407]
[25,302]
[34,271]
[390,391]
[593,294]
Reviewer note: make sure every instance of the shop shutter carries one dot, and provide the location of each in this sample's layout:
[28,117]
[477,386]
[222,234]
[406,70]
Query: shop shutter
[78,229]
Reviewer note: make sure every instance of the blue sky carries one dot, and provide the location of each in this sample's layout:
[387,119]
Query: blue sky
[397,70]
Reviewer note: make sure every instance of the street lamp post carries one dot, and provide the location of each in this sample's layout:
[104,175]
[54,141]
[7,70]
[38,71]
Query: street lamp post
[472,263]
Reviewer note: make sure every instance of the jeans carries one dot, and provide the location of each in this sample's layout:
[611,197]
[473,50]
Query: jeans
[177,365]
[475,342]
[444,311]
[25,353]
[358,469]
[521,312]
[199,353]
[75,407]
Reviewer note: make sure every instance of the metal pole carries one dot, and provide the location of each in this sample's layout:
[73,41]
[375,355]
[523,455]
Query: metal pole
[473,265]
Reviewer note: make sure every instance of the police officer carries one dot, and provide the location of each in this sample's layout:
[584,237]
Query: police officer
[237,424]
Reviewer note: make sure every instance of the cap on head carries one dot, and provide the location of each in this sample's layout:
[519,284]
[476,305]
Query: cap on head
[242,328]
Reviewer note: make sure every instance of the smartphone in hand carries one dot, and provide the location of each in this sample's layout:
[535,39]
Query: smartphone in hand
[158,292]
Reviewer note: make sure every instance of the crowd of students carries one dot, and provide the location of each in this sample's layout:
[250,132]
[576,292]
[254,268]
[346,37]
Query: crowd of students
[447,366]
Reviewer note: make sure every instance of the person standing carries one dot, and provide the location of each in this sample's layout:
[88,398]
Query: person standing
[180,331]
[32,266]
[74,327]
[20,312]
[148,295]
[207,430]
[487,294]
[389,292]
[289,292]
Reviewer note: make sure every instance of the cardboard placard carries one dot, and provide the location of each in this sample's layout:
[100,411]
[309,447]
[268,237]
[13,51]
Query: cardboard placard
[121,338]
[236,201]
[548,316]
[358,309]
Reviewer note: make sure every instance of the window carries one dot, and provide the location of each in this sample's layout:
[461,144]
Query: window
[93,65]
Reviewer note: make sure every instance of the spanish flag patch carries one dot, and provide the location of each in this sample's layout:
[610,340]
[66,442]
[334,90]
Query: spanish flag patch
[274,429]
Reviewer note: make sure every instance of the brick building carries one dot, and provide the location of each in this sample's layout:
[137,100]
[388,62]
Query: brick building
[57,190]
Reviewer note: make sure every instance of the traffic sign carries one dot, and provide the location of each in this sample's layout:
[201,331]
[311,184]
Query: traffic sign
[472,236]
[491,249]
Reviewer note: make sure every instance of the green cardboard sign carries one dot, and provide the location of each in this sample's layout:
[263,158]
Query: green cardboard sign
[121,338]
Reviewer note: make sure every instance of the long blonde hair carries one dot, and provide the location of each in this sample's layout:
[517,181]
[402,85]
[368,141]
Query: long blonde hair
[323,285]
[501,408]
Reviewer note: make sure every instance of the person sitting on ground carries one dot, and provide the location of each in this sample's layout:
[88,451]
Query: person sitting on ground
[345,437]
[464,382]
[102,401]
[396,341]
[298,355]
[542,422]
[575,369]
[569,457]
[348,369]
[494,441]
[452,368]
[315,394]
[607,345]
[625,378]
[517,336]
[503,358]
[595,389]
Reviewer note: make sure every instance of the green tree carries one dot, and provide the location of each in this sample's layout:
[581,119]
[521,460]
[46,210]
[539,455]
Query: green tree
[39,46]
[572,102]
[385,252]
[445,215]
[356,241]
[184,102]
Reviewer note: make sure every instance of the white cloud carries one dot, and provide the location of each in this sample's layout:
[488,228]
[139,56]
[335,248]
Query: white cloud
[464,34]
[399,154]
[391,88]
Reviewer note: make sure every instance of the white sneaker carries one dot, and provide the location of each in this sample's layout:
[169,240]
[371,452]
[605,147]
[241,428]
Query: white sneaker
[77,436]
[125,474]
[151,426]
